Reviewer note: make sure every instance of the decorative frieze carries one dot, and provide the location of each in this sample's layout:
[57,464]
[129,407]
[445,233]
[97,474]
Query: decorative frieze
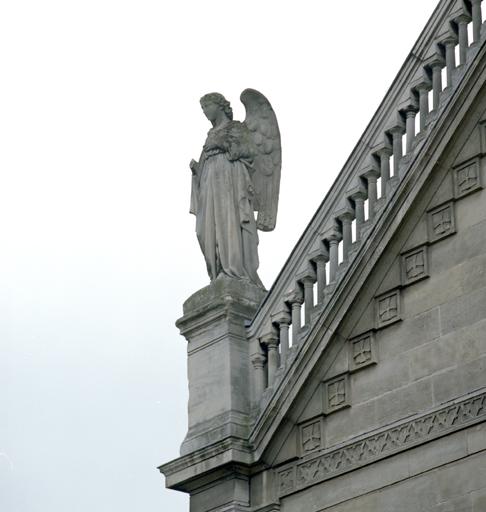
[286,481]
[414,265]
[408,434]
[336,394]
[441,222]
[467,178]
[311,436]
[362,351]
[388,309]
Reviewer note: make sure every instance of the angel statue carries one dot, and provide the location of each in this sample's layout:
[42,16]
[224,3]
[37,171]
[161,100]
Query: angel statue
[238,174]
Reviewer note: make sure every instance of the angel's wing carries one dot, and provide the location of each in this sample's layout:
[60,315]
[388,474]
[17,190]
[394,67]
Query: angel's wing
[263,128]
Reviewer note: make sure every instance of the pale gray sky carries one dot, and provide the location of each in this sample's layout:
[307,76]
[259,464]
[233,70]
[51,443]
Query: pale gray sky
[99,118]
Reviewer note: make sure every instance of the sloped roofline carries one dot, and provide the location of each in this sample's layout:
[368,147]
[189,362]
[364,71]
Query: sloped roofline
[348,288]
[416,57]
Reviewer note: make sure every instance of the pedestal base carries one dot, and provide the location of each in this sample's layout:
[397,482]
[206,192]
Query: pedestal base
[218,360]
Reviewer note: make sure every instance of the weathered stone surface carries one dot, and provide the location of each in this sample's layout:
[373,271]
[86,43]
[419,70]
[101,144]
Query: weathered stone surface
[238,173]
[380,403]
[218,360]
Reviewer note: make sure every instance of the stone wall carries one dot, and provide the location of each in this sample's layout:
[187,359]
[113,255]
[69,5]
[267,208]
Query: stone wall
[406,374]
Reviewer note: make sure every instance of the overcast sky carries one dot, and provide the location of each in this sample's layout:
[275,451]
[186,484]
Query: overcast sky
[99,118]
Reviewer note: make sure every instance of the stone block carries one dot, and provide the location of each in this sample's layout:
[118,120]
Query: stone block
[358,419]
[397,404]
[437,453]
[457,504]
[414,331]
[479,500]
[231,492]
[470,241]
[476,439]
[457,381]
[461,478]
[391,374]
[462,311]
[431,358]
[471,210]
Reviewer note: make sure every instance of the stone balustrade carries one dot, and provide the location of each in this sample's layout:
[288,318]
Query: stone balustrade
[276,331]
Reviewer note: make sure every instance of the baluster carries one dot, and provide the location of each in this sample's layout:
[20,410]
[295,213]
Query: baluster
[358,195]
[282,320]
[307,278]
[383,153]
[423,88]
[371,174]
[450,56]
[462,21]
[295,300]
[435,64]
[320,257]
[333,236]
[477,18]
[258,362]
[397,134]
[270,341]
[410,111]
[346,217]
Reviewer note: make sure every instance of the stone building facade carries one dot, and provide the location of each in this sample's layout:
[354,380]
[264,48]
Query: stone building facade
[358,382]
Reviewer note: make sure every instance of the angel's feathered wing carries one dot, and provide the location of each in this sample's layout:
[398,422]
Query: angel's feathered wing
[263,128]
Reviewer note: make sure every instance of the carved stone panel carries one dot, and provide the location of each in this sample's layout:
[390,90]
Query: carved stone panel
[467,178]
[388,309]
[451,417]
[414,265]
[286,481]
[311,438]
[362,351]
[336,394]
[441,222]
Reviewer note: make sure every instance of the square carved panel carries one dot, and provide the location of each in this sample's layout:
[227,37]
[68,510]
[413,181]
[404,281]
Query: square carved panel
[414,265]
[467,178]
[441,222]
[362,351]
[311,436]
[388,308]
[336,394]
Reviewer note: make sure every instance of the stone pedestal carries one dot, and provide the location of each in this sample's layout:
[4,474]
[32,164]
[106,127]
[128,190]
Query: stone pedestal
[218,360]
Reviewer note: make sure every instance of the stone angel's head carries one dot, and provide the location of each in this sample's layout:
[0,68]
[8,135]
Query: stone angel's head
[215,106]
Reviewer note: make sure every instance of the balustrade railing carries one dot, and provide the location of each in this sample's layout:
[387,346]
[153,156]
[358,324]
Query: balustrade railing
[277,329]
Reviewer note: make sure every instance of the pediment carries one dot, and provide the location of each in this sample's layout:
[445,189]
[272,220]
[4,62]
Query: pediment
[364,363]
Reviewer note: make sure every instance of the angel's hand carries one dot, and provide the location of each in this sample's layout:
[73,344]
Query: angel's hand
[193,166]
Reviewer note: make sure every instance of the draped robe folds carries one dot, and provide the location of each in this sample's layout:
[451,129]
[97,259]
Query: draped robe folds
[222,200]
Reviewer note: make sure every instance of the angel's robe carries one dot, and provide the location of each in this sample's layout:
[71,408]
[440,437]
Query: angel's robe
[222,200]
